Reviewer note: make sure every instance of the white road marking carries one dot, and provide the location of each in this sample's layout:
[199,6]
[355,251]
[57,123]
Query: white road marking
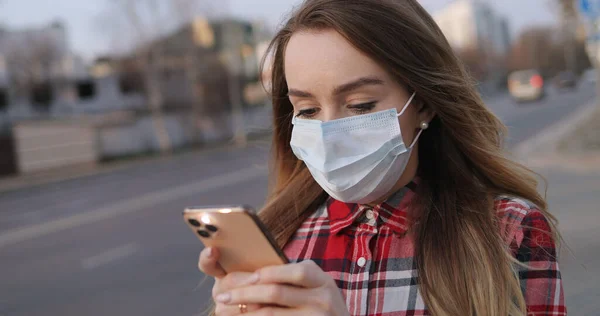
[131,205]
[109,256]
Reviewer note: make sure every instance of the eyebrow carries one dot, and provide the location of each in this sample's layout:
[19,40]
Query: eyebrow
[345,88]
[358,83]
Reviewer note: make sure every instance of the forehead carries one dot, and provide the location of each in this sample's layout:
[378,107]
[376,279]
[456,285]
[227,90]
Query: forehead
[325,57]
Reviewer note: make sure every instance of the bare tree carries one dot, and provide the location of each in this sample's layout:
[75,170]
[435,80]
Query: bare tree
[474,60]
[141,25]
[539,48]
[31,61]
[532,49]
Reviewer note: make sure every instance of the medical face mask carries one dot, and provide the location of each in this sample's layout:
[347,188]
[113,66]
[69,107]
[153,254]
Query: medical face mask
[356,159]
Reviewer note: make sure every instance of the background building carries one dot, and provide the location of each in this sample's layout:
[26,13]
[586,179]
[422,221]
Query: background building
[37,69]
[197,84]
[474,23]
[480,36]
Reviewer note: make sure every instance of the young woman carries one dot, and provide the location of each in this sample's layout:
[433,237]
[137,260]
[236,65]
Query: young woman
[392,192]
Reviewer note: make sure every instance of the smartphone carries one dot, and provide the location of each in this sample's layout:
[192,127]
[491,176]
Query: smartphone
[244,243]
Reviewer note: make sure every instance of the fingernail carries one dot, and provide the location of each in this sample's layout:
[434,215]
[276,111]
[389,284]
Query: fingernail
[223,298]
[209,252]
[253,278]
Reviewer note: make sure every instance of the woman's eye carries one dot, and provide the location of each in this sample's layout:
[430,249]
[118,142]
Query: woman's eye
[306,113]
[362,107]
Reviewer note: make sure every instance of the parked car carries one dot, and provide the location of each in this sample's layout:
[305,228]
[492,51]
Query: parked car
[565,79]
[526,85]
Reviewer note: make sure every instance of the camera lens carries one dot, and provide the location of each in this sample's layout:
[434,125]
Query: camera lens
[203,233]
[194,222]
[212,228]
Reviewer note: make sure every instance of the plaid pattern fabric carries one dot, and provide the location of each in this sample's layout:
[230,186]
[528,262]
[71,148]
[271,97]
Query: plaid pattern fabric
[370,254]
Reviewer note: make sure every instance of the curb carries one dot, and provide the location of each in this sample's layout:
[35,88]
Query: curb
[587,164]
[545,141]
[541,150]
[57,175]
[19,182]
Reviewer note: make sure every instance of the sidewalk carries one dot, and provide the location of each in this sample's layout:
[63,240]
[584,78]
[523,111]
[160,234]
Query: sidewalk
[574,198]
[567,155]
[570,144]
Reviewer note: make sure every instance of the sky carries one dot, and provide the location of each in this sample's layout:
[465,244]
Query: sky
[88,33]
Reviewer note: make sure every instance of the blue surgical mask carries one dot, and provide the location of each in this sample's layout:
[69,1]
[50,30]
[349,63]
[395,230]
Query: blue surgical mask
[357,159]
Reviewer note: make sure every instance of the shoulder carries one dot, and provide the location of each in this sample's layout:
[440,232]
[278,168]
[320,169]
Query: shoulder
[522,223]
[530,236]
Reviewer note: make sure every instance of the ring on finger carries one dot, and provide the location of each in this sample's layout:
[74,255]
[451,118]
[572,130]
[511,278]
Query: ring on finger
[243,308]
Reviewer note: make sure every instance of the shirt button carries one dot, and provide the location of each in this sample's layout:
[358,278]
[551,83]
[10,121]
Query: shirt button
[370,214]
[361,262]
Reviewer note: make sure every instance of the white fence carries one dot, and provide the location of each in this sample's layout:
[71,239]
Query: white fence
[46,144]
[53,144]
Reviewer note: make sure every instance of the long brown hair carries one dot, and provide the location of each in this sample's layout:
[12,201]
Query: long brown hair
[464,266]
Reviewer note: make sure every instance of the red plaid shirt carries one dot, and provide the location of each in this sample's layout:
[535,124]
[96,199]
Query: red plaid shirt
[369,255]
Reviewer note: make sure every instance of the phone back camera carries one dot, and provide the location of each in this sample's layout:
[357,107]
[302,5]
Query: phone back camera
[194,222]
[212,228]
[203,233]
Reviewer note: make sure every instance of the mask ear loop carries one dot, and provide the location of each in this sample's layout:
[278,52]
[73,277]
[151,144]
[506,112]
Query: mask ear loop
[416,138]
[407,104]
[401,112]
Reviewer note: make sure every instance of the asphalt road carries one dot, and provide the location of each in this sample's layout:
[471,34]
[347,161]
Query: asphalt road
[115,243]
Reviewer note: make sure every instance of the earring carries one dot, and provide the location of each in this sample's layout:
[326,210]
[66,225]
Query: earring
[424,125]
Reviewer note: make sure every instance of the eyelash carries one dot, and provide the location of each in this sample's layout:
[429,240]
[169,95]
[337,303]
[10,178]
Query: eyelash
[306,113]
[361,108]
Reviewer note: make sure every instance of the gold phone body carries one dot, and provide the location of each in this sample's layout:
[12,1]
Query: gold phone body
[243,242]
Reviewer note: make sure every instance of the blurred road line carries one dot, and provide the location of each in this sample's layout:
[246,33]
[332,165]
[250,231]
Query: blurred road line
[131,205]
[30,215]
[109,256]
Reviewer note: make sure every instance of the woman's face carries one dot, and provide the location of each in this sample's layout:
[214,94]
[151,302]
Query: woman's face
[329,79]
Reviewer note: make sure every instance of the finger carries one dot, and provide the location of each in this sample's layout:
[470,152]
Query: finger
[230,310]
[305,274]
[208,263]
[268,294]
[235,280]
[272,310]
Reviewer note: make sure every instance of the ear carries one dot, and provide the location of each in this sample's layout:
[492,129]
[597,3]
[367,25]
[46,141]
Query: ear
[425,113]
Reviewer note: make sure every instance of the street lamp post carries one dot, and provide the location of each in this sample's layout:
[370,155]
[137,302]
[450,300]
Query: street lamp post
[595,56]
[236,72]
[239,137]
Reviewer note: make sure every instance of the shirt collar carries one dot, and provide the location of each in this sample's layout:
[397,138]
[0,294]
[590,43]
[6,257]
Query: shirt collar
[393,212]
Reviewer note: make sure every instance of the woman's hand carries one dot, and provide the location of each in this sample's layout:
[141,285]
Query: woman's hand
[292,289]
[208,263]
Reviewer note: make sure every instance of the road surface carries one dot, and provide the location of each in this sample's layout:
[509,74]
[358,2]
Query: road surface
[115,243]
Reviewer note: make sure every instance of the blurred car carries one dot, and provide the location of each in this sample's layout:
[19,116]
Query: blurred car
[526,85]
[589,76]
[565,79]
